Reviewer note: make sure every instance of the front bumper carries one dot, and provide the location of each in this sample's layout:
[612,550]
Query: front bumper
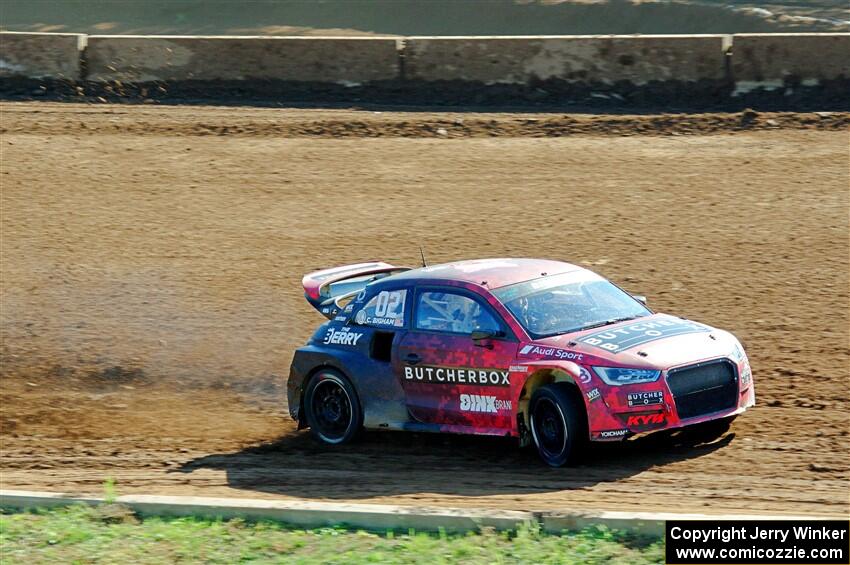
[620,412]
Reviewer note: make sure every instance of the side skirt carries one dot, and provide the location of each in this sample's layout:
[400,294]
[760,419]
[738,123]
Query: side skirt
[443,429]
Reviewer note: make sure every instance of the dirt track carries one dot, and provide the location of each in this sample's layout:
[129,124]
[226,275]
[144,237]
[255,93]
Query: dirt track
[151,260]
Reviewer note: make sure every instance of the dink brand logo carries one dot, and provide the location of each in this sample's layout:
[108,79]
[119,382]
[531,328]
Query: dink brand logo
[483,403]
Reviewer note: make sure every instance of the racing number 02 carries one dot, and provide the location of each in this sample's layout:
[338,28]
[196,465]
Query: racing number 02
[387,304]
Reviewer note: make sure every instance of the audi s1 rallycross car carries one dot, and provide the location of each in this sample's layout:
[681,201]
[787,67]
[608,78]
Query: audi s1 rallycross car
[544,351]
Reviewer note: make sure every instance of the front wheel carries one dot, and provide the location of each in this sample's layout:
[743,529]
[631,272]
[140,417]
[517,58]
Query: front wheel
[332,408]
[558,423]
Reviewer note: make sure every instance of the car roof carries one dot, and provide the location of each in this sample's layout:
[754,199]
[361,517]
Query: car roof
[492,273]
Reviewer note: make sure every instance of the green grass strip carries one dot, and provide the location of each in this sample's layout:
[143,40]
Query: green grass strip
[111,533]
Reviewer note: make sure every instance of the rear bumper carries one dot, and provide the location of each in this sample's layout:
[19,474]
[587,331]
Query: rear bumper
[298,372]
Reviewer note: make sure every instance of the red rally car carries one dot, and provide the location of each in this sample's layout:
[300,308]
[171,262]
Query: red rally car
[544,351]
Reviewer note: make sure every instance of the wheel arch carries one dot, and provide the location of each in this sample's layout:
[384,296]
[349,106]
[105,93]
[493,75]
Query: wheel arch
[325,418]
[302,418]
[537,377]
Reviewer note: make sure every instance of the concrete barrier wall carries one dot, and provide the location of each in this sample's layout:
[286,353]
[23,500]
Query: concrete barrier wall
[40,55]
[644,70]
[307,59]
[769,60]
[593,59]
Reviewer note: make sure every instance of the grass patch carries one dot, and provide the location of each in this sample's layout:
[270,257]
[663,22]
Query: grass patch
[111,533]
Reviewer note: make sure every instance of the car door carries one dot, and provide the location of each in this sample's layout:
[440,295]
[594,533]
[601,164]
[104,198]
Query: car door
[449,378]
[380,317]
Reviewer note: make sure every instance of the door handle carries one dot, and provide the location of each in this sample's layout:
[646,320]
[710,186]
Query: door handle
[412,358]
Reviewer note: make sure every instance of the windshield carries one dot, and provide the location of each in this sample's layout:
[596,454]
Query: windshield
[568,302]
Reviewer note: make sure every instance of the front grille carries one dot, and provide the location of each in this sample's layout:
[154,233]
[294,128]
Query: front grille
[704,388]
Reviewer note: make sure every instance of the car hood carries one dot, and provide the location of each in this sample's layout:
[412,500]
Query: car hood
[659,341]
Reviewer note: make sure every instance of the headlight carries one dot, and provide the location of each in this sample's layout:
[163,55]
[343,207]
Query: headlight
[740,357]
[738,354]
[746,375]
[620,376]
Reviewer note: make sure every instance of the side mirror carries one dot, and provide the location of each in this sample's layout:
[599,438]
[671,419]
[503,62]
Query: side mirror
[640,298]
[481,335]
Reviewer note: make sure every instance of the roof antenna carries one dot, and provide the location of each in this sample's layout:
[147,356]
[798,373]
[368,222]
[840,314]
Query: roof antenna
[422,254]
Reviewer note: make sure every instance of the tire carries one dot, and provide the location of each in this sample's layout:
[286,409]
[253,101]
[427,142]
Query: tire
[332,408]
[558,424]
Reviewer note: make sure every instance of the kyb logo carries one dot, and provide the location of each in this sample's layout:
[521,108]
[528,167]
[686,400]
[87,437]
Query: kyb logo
[483,403]
[342,337]
[550,352]
[645,419]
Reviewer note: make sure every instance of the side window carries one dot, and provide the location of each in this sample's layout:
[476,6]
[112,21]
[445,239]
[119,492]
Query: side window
[385,310]
[455,313]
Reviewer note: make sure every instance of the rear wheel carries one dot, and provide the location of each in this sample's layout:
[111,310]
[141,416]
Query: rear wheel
[332,408]
[558,423]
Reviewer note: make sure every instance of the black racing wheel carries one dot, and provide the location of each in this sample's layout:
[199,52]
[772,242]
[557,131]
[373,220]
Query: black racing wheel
[332,407]
[558,423]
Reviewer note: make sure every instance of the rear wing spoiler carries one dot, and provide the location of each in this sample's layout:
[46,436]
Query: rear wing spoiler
[325,289]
